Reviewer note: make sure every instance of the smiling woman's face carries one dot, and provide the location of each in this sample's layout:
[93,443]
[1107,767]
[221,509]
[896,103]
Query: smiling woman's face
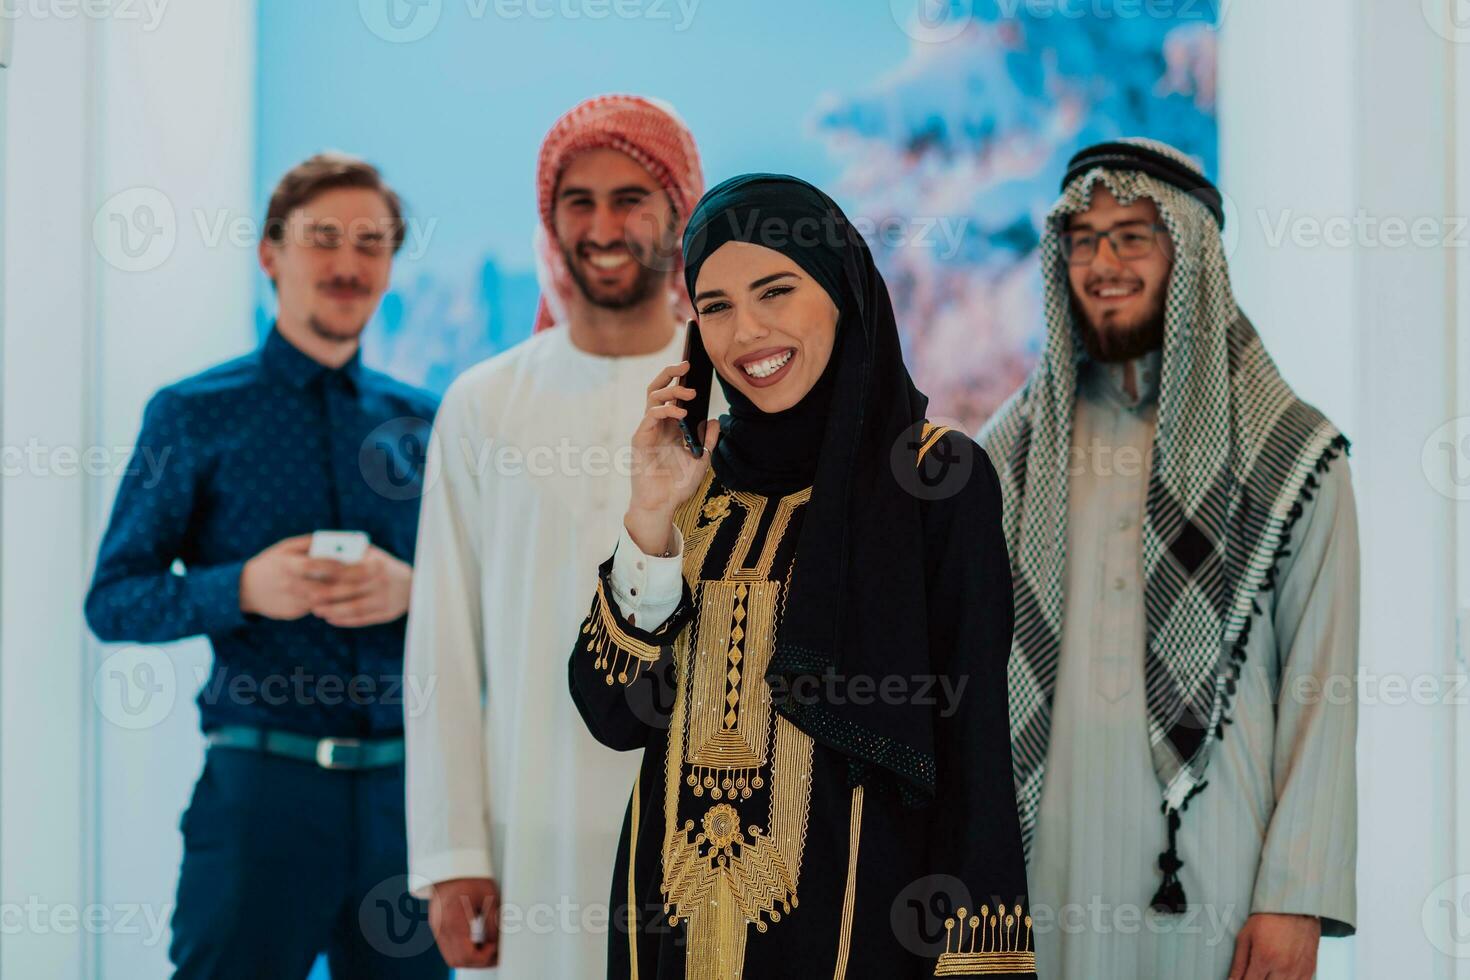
[769,327]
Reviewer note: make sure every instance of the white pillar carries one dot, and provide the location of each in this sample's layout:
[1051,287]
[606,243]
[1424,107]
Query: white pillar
[154,102]
[1336,117]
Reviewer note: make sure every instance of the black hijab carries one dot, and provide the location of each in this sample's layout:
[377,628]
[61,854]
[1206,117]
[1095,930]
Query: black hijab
[857,605]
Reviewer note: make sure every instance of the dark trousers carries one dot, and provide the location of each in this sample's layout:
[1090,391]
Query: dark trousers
[284,860]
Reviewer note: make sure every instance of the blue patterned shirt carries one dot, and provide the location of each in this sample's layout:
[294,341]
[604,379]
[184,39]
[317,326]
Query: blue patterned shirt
[231,461]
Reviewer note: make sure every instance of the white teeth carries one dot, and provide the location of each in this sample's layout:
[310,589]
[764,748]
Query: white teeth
[1113,292]
[768,367]
[608,261]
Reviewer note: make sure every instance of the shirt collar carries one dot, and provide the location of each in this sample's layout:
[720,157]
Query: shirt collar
[296,368]
[1105,381]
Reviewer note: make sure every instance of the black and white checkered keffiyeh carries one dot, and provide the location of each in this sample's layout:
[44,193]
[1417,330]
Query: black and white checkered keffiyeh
[1234,452]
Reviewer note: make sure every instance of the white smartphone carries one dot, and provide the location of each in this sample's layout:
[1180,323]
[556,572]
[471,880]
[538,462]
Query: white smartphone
[348,547]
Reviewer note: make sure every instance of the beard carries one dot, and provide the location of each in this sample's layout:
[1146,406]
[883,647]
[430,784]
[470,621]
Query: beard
[327,332]
[1117,341]
[634,294]
[654,264]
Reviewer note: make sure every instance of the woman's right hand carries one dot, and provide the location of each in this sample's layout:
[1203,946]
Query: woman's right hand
[665,473]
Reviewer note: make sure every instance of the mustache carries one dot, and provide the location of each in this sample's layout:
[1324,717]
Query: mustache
[1111,279]
[356,285]
[586,249]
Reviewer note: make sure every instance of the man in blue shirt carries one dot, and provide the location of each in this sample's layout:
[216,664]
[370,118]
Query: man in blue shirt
[294,839]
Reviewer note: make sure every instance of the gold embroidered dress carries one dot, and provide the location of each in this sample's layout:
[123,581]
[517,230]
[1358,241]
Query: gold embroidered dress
[745,849]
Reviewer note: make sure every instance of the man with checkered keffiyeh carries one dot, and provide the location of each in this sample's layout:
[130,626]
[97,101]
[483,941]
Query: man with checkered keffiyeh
[1184,550]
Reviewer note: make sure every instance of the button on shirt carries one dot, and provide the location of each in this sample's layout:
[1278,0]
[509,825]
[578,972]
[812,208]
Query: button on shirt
[231,461]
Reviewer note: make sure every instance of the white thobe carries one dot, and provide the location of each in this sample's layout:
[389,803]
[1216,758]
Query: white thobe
[1275,830]
[527,485]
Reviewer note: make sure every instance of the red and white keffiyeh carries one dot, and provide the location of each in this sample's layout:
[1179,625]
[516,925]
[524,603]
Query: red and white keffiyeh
[649,131]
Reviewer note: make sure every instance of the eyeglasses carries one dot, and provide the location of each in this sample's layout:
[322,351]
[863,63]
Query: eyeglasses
[1133,240]
[329,235]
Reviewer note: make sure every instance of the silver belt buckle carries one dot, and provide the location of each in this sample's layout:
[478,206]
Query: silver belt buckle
[326,751]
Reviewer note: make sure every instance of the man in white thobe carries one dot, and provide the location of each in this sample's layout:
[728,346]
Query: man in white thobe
[513,808]
[1184,543]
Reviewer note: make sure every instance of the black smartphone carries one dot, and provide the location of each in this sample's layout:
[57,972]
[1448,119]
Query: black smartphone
[700,377]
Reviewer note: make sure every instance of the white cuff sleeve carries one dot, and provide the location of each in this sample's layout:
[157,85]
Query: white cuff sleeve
[647,589]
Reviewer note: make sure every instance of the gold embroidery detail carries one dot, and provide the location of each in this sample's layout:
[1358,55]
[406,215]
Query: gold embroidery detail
[722,827]
[849,897]
[698,537]
[716,507]
[615,649]
[729,730]
[997,944]
[736,569]
[721,879]
[754,506]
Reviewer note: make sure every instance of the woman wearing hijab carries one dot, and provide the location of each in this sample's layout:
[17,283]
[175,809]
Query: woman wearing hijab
[805,629]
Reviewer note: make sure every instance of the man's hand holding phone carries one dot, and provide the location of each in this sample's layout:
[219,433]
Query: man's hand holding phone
[285,582]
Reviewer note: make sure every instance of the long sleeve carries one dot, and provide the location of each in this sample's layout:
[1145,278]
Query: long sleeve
[135,593]
[1308,864]
[620,669]
[448,799]
[646,588]
[976,829]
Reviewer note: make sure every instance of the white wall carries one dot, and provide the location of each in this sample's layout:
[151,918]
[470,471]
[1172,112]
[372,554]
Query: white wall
[48,274]
[158,109]
[1341,111]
